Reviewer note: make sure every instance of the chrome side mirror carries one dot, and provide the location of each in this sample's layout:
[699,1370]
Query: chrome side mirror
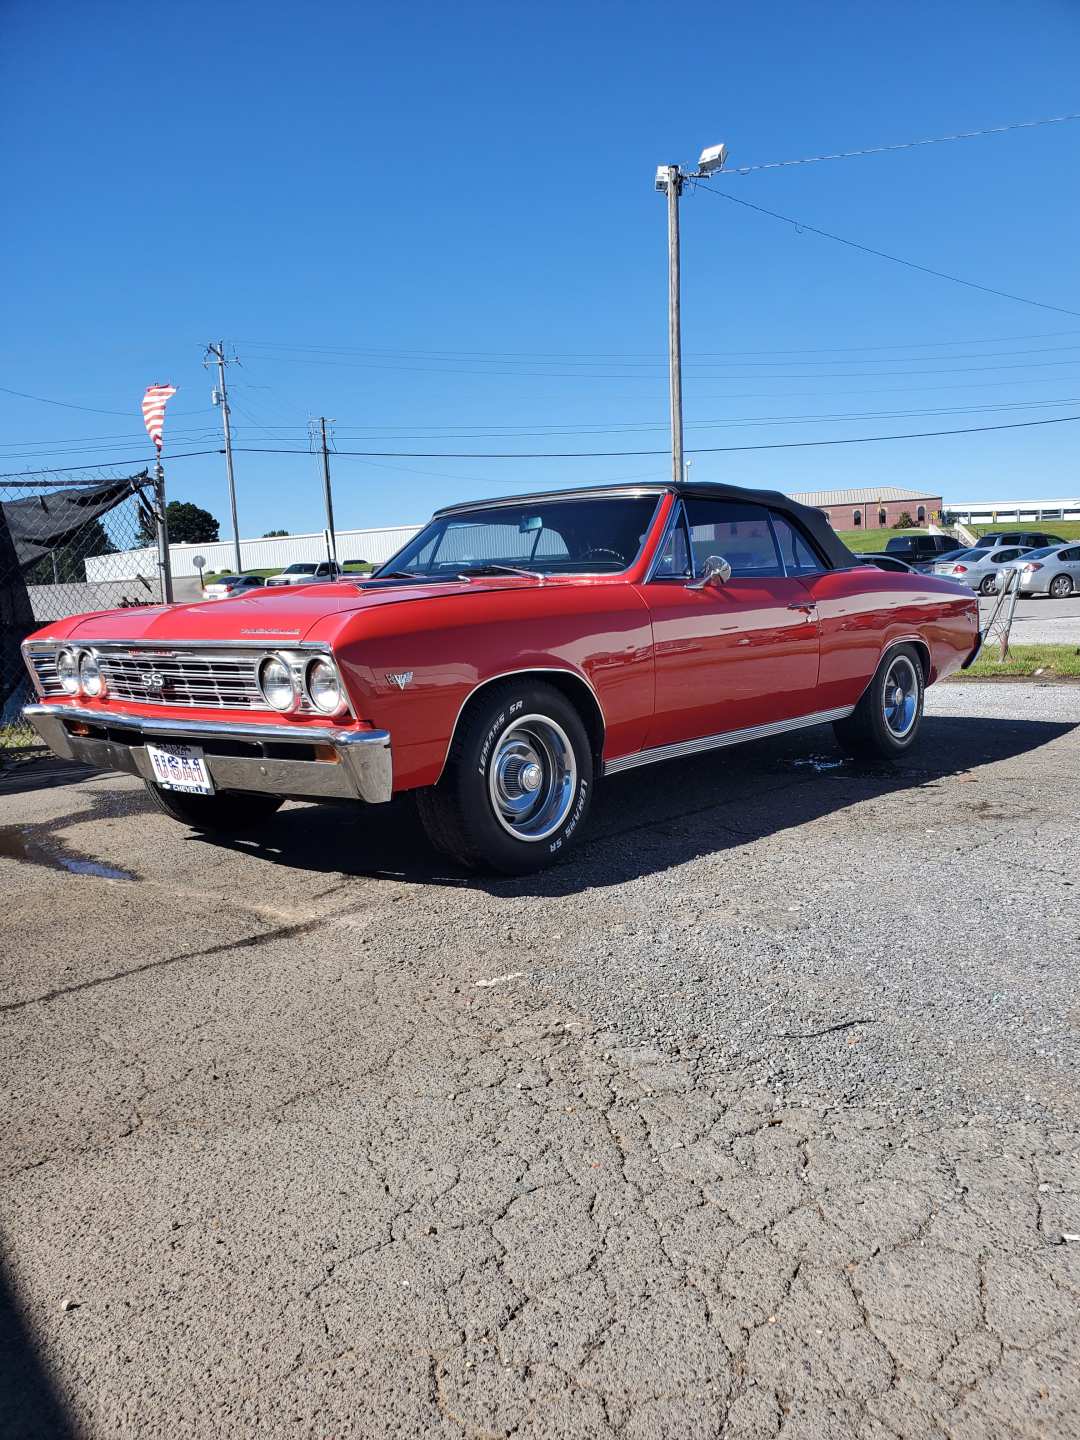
[717,571]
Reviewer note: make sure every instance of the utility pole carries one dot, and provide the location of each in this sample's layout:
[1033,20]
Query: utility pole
[673,182]
[670,180]
[215,355]
[327,492]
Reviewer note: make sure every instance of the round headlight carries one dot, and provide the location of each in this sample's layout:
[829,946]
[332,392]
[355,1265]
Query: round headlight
[277,684]
[67,672]
[91,680]
[324,687]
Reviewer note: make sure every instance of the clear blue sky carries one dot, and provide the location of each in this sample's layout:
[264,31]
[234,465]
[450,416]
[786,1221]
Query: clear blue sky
[437,225]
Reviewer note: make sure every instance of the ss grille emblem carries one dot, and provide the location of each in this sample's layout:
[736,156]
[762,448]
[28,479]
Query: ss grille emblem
[400,678]
[155,681]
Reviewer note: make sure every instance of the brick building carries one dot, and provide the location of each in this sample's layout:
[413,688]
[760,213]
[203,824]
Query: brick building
[873,507]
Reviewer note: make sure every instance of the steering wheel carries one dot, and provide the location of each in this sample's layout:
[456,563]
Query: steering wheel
[600,552]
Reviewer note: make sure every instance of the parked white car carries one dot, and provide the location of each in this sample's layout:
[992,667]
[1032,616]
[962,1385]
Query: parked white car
[1053,571]
[307,572]
[980,568]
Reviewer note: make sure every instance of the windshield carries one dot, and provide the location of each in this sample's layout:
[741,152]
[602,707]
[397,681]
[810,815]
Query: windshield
[979,552]
[299,570]
[1042,554]
[542,536]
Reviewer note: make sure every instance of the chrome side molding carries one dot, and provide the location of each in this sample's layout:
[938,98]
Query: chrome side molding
[682,748]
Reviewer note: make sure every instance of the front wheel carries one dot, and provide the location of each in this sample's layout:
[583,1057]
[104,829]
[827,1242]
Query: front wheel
[230,812]
[518,783]
[1061,587]
[886,720]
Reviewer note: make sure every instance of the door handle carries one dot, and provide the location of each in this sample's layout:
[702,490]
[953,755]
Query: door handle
[803,605]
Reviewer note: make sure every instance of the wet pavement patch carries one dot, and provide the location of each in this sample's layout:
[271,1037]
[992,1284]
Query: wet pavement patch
[19,843]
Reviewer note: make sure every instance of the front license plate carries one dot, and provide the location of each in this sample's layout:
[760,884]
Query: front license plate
[180,767]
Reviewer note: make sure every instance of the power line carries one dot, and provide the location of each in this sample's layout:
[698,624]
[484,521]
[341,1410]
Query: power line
[657,357]
[98,465]
[582,454]
[70,405]
[599,428]
[902,145]
[884,255]
[659,364]
[599,375]
[627,454]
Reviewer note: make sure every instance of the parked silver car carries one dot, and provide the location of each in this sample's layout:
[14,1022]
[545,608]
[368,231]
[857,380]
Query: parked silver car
[1054,571]
[980,568]
[226,586]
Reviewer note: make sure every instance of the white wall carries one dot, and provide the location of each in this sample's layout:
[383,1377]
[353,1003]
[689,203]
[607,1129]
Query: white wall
[1015,512]
[269,554]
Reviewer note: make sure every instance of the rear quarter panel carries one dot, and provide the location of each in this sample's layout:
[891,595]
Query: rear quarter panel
[452,644]
[864,611]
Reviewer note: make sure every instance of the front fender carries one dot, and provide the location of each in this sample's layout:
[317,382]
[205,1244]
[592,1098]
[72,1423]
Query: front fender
[410,669]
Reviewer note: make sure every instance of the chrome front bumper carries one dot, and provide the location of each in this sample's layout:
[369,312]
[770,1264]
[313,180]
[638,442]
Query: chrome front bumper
[238,756]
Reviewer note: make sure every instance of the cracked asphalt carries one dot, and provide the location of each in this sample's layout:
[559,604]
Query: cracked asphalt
[756,1119]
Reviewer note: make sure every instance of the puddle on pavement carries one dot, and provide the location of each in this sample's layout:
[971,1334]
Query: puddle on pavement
[818,763]
[845,766]
[19,844]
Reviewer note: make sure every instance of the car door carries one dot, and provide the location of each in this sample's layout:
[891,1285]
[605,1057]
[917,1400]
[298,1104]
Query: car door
[727,656]
[1067,562]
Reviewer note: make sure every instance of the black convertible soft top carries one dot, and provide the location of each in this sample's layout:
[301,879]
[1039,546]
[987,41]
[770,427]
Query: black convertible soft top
[805,516]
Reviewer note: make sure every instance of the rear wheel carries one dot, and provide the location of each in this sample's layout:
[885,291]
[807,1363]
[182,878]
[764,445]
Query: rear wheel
[518,783]
[228,812]
[886,720]
[1061,587]
[988,585]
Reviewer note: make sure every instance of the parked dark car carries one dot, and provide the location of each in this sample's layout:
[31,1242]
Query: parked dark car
[920,551]
[891,563]
[1027,539]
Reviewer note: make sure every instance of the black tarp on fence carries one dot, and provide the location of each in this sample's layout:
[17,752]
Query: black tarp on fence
[49,530]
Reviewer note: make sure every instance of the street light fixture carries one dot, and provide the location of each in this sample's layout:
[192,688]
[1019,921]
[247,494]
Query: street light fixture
[670,180]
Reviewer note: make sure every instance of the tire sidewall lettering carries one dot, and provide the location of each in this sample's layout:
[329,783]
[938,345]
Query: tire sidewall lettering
[492,735]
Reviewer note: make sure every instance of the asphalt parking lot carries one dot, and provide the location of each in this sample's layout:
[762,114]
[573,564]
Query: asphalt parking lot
[759,1118]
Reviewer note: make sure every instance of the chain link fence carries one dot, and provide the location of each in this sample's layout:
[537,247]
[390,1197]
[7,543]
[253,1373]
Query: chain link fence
[67,546]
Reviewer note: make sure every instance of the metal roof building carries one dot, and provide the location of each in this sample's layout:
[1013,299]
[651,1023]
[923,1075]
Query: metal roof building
[862,495]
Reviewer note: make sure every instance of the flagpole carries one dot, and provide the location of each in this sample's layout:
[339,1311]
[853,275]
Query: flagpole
[153,411]
[164,560]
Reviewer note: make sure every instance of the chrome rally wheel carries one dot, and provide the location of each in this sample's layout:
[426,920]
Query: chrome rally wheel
[885,722]
[532,778]
[900,697]
[518,782]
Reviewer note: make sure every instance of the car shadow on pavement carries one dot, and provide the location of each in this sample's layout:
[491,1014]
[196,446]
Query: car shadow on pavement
[29,1406]
[651,819]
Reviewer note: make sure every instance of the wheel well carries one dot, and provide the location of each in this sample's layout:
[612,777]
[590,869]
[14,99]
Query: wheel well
[922,650]
[577,691]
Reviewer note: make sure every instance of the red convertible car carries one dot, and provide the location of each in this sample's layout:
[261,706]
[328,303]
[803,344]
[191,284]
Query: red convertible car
[513,653]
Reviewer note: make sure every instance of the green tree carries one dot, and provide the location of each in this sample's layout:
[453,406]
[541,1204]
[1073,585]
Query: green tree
[188,525]
[64,565]
[905,522]
[273,534]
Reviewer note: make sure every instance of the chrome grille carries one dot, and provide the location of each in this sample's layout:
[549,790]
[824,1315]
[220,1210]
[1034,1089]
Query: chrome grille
[197,677]
[215,680]
[44,664]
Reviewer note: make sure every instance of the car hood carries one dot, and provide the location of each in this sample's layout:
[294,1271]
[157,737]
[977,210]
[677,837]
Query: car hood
[279,615]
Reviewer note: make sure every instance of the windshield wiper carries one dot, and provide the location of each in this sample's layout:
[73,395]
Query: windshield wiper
[471,570]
